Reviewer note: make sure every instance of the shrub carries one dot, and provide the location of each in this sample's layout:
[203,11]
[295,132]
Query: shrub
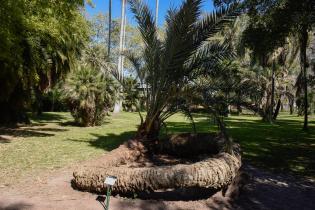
[90,95]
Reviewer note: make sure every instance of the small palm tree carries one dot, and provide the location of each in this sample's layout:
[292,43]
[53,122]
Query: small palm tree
[90,94]
[166,68]
[167,65]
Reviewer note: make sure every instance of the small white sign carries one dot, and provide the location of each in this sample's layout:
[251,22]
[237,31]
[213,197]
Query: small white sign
[110,180]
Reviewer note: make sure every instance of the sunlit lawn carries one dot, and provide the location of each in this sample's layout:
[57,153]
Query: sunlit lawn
[52,141]
[282,146]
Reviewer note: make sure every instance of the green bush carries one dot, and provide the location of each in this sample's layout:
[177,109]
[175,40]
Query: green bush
[90,95]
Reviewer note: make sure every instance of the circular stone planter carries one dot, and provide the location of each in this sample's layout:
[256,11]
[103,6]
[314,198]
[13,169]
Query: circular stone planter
[138,173]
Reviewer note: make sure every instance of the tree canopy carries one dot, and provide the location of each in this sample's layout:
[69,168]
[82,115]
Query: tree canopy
[40,41]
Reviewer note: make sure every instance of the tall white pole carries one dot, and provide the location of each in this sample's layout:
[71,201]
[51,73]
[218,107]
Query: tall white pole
[123,47]
[121,38]
[156,12]
[109,26]
[118,103]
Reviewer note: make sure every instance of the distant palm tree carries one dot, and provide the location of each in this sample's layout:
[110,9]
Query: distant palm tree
[109,26]
[118,104]
[121,38]
[156,12]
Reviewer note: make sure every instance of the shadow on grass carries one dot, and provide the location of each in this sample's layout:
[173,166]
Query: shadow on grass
[281,146]
[109,141]
[49,117]
[72,123]
[23,132]
[48,129]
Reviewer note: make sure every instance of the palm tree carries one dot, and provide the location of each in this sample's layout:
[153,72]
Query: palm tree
[168,65]
[121,49]
[156,12]
[109,26]
[90,95]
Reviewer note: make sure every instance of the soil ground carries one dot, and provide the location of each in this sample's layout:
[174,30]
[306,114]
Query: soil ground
[264,190]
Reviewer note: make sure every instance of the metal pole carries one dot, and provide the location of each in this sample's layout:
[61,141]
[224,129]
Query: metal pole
[108,197]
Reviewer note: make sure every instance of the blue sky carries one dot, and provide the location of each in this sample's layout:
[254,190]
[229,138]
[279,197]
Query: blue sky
[102,6]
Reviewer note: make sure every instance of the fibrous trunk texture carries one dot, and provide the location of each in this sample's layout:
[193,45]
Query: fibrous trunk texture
[128,152]
[211,172]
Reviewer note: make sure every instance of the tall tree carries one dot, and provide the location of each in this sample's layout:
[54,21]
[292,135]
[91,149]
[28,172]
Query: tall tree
[34,54]
[285,17]
[109,26]
[118,104]
[156,12]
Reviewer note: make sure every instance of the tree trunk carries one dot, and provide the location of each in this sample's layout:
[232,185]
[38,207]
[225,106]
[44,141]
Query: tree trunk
[156,12]
[267,115]
[109,26]
[272,104]
[215,173]
[12,110]
[275,115]
[38,102]
[291,105]
[239,109]
[149,130]
[11,113]
[118,104]
[303,63]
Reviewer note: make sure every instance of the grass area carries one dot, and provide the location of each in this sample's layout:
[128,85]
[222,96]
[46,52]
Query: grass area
[52,141]
[281,146]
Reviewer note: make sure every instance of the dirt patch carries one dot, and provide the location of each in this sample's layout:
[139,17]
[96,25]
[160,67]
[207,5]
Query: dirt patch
[268,190]
[265,190]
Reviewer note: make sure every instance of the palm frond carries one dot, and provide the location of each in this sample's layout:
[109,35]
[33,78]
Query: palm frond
[214,22]
[136,63]
[209,55]
[178,44]
[145,20]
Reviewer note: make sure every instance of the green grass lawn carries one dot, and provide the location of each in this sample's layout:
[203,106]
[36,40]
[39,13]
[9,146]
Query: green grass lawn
[52,141]
[281,146]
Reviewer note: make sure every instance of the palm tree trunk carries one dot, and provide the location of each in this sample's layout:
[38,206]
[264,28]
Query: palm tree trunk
[121,37]
[303,64]
[118,103]
[149,130]
[215,173]
[109,26]
[156,12]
